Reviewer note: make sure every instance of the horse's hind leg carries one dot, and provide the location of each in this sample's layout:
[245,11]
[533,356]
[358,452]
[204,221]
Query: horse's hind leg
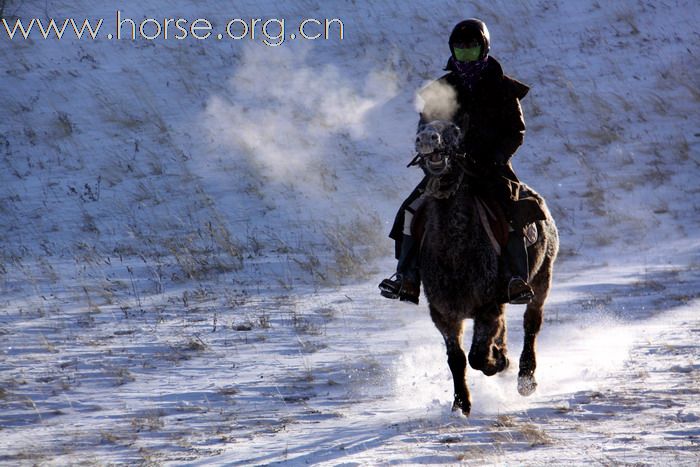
[451,331]
[532,323]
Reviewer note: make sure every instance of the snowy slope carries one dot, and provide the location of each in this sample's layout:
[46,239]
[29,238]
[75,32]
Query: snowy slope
[192,233]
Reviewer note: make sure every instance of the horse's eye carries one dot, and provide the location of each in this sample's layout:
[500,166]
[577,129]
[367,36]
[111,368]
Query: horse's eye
[434,136]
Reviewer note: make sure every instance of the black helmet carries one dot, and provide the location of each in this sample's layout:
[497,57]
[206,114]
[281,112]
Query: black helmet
[468,30]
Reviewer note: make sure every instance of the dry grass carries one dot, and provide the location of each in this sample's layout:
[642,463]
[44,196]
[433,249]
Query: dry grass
[150,421]
[504,421]
[305,325]
[511,432]
[195,344]
[199,261]
[595,199]
[354,245]
[603,135]
[120,375]
[534,436]
[63,125]
[628,18]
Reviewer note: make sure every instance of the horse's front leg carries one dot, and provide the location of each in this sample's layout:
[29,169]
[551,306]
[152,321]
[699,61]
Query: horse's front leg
[458,366]
[452,333]
[528,362]
[489,349]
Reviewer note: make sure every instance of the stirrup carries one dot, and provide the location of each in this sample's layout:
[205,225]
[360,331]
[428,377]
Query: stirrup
[404,290]
[390,288]
[519,292]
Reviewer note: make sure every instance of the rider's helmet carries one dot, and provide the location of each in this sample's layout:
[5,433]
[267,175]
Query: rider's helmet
[466,36]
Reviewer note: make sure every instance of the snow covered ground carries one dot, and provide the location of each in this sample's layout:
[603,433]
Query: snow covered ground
[192,232]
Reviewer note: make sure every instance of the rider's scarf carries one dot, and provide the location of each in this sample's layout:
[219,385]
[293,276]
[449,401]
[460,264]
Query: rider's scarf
[468,72]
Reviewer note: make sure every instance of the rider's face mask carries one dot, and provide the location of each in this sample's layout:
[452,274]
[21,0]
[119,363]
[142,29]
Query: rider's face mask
[467,52]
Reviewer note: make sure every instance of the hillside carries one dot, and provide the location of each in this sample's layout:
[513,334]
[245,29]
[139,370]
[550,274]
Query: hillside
[192,233]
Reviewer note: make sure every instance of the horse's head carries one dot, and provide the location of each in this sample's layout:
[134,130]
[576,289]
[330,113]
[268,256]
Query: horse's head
[436,143]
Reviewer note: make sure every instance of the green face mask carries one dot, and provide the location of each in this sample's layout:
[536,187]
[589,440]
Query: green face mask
[468,54]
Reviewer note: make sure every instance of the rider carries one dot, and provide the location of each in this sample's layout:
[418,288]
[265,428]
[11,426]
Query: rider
[485,104]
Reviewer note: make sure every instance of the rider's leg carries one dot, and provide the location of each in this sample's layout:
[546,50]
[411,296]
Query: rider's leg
[519,291]
[516,265]
[407,270]
[406,285]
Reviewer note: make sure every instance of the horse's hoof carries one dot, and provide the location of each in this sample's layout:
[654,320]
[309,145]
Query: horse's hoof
[526,385]
[465,407]
[501,364]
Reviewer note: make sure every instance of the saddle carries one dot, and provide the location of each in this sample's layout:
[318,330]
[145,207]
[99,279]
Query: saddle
[494,221]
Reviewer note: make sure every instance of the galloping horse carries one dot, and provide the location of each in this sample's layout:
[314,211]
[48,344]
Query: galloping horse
[459,267]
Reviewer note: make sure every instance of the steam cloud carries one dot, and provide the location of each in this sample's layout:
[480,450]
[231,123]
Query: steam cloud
[437,101]
[281,114]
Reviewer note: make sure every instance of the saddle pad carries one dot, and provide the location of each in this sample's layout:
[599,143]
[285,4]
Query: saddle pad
[492,218]
[496,225]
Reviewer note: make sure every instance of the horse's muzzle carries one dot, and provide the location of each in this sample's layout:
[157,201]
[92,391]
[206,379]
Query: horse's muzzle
[436,163]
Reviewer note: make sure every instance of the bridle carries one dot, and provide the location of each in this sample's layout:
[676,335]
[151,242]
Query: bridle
[437,155]
[437,163]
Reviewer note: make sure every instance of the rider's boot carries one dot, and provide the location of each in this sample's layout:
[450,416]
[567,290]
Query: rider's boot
[405,284]
[519,291]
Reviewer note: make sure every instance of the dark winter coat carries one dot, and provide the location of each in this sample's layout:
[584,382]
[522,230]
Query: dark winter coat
[493,128]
